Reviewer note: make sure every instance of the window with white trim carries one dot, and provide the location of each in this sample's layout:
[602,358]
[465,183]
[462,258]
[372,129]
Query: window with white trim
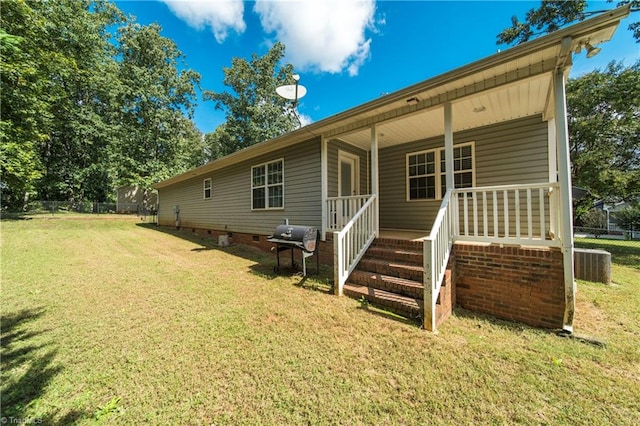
[422,178]
[267,185]
[206,188]
[421,175]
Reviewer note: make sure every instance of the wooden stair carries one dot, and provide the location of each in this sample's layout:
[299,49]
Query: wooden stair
[390,276]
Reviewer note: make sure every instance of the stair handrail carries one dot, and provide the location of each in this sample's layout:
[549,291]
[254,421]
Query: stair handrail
[437,249]
[336,206]
[352,241]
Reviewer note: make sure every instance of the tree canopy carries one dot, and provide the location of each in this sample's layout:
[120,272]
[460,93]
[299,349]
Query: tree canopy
[254,112]
[604,131]
[553,15]
[85,110]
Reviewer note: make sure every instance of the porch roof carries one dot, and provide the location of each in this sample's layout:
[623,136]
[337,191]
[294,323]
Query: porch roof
[505,86]
[516,82]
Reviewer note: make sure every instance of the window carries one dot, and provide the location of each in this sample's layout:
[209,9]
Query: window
[267,186]
[422,178]
[462,168]
[422,175]
[206,188]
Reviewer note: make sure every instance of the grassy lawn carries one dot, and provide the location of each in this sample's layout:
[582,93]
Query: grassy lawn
[108,321]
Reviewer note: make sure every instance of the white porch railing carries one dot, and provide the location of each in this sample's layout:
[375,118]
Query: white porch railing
[352,241]
[510,214]
[437,248]
[340,210]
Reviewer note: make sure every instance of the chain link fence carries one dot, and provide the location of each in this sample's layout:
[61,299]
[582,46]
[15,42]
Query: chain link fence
[90,207]
[613,233]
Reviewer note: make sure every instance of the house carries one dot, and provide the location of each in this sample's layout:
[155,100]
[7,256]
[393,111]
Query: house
[612,210]
[455,190]
[133,199]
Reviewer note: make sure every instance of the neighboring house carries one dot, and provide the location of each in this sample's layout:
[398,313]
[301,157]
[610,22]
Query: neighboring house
[133,199]
[453,190]
[612,210]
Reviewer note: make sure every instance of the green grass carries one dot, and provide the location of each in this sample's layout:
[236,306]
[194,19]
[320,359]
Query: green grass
[108,321]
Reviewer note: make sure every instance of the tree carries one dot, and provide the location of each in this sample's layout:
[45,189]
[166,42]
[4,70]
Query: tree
[83,113]
[52,78]
[596,222]
[156,139]
[19,129]
[553,15]
[604,131]
[254,112]
[217,144]
[23,118]
[629,217]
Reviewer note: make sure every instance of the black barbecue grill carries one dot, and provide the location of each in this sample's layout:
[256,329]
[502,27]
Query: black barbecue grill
[303,238]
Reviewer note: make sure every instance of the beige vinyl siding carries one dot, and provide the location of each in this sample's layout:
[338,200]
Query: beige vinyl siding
[507,153]
[510,153]
[229,207]
[395,211]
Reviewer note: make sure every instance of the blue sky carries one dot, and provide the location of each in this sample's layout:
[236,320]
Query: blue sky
[347,53]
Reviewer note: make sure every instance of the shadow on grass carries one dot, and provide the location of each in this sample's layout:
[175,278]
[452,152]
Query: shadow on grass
[514,327]
[15,216]
[27,369]
[205,243]
[486,319]
[380,311]
[319,282]
[265,263]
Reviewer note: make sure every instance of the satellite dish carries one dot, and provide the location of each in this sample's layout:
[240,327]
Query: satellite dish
[292,92]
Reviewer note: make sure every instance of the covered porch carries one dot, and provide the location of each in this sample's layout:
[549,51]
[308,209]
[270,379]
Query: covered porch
[477,155]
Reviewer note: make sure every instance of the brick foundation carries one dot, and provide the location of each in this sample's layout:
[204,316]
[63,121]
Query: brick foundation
[514,283]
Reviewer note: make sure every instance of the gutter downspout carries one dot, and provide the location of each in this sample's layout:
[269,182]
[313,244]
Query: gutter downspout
[564,179]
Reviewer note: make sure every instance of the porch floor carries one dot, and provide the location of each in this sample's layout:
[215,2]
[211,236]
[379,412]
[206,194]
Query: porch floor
[403,234]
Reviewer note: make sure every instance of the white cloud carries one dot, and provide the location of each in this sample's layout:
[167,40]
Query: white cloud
[321,35]
[220,15]
[305,120]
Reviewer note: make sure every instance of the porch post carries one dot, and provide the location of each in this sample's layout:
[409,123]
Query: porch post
[374,178]
[448,146]
[566,210]
[323,186]
[552,149]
